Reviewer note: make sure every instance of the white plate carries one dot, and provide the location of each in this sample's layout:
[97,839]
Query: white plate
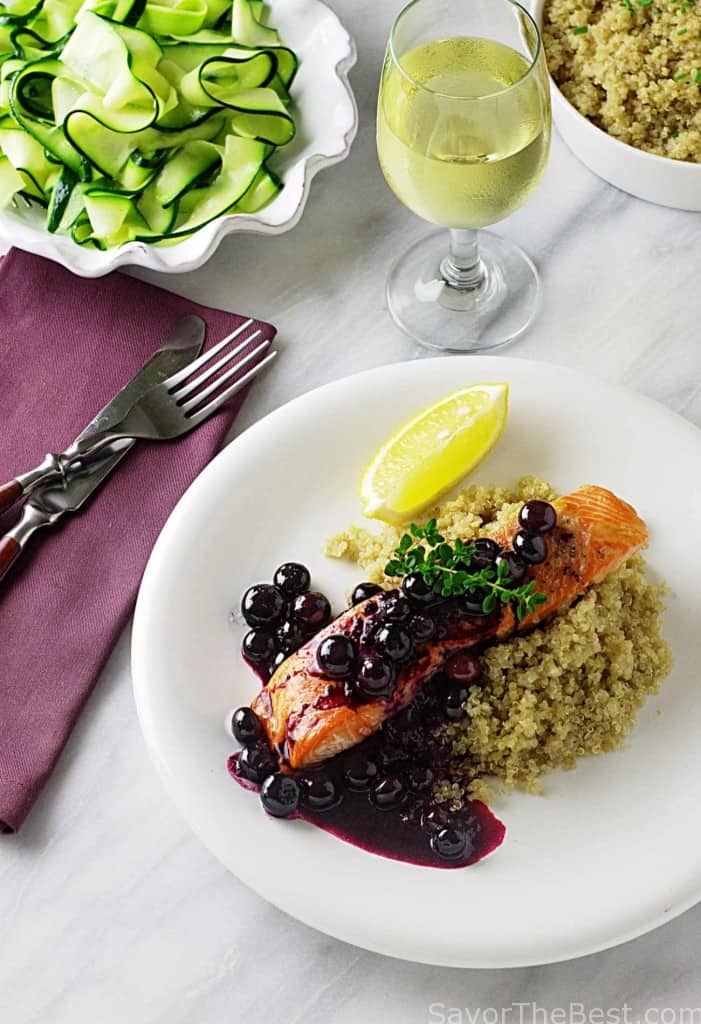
[327,121]
[610,852]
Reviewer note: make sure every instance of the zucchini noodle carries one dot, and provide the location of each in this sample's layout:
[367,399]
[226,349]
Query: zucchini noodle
[140,119]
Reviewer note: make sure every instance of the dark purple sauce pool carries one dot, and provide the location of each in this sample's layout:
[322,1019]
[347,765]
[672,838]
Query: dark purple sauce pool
[395,815]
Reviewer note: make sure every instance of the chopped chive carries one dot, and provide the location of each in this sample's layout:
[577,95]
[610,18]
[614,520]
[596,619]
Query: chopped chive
[697,77]
[580,30]
[682,32]
[680,77]
[674,135]
[644,3]
[629,6]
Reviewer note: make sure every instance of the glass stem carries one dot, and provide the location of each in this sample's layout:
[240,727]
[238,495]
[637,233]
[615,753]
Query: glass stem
[462,268]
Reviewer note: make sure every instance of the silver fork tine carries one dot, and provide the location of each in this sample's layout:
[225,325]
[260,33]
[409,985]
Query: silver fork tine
[181,375]
[216,384]
[187,389]
[202,414]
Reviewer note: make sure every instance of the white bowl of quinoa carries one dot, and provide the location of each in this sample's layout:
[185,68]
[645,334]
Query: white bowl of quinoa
[626,86]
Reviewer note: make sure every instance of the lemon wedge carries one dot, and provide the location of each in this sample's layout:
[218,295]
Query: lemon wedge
[430,453]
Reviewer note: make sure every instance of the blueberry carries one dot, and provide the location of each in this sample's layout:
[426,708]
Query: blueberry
[421,700]
[276,661]
[258,646]
[486,553]
[453,702]
[417,589]
[359,770]
[537,516]
[435,818]
[414,809]
[395,607]
[422,627]
[279,795]
[530,547]
[290,636]
[472,601]
[420,778]
[391,754]
[246,726]
[438,749]
[262,605]
[451,844]
[319,792]
[363,591]
[336,656]
[516,567]
[388,792]
[394,641]
[404,720]
[463,667]
[256,762]
[312,611]
[376,678]
[292,579]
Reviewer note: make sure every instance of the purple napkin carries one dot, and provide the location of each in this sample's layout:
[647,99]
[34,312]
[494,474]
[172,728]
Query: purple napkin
[67,345]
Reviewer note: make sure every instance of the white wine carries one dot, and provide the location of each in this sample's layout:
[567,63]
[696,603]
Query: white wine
[458,141]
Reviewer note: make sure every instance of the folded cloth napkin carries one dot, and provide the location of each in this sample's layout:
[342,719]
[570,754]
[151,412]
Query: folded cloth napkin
[67,345]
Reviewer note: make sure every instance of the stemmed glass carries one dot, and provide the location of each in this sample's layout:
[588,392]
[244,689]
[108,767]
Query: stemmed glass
[463,136]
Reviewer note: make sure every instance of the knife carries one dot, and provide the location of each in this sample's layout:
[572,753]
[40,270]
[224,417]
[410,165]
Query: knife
[51,502]
[182,345]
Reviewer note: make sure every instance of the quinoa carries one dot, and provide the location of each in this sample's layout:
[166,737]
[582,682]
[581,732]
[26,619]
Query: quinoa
[633,67]
[570,688]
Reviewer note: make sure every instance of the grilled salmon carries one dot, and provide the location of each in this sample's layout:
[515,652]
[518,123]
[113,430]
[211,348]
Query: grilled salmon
[308,717]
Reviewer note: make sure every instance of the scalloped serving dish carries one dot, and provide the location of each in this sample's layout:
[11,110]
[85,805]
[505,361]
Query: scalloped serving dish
[327,121]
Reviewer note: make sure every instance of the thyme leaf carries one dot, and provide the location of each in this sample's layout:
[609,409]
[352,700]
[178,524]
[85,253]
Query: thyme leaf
[446,568]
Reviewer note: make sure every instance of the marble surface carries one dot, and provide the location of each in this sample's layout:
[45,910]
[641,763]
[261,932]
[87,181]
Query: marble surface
[110,910]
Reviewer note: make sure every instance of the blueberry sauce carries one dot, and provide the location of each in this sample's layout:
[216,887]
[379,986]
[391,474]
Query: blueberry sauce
[378,795]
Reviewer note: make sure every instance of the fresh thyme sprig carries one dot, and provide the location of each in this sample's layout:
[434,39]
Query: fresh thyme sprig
[446,568]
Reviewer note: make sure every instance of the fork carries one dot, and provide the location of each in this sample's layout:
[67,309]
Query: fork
[178,405]
[168,409]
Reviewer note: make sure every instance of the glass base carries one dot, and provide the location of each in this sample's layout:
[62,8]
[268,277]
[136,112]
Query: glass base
[440,316]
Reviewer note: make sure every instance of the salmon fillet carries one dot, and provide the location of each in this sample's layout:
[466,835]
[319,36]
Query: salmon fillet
[307,716]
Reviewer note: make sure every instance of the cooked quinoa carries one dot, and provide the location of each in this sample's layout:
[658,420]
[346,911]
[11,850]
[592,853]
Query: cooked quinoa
[633,67]
[568,689]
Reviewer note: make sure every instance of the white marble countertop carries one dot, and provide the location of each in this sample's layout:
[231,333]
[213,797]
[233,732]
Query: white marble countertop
[111,911]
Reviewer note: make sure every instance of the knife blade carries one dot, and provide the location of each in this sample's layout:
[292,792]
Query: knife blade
[183,344]
[50,503]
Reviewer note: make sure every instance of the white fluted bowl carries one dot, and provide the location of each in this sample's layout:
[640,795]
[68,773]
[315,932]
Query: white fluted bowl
[658,179]
[327,121]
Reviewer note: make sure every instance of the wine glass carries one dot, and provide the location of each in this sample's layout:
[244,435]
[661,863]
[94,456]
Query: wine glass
[463,136]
